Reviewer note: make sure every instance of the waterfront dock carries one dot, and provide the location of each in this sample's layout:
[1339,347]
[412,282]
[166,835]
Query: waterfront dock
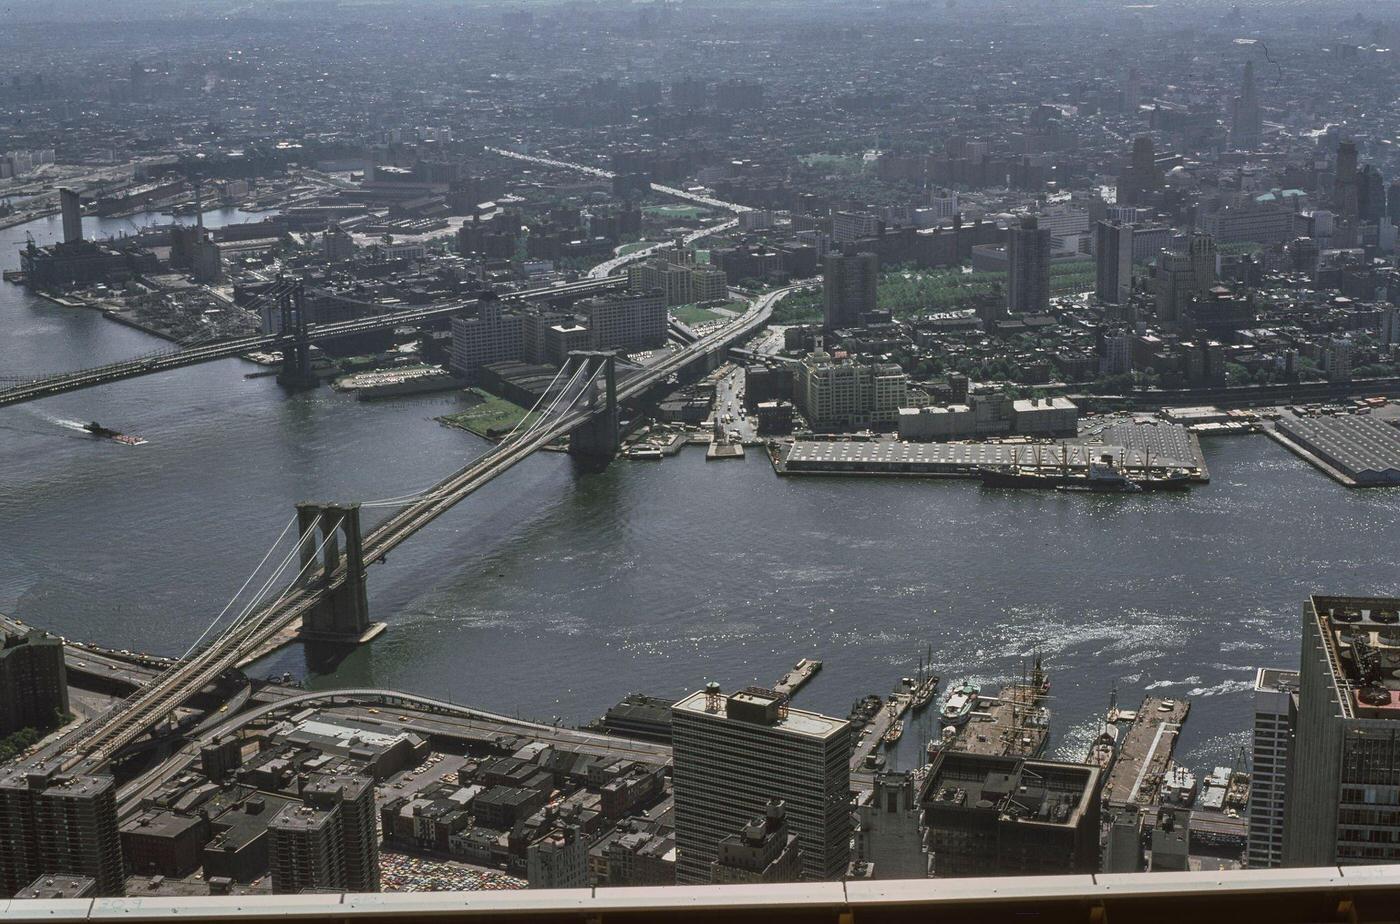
[1014,724]
[870,736]
[797,678]
[1144,752]
[1139,446]
[1356,450]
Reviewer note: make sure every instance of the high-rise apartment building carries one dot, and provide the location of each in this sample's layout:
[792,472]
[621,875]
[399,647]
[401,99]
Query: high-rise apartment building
[850,285]
[1342,797]
[1113,262]
[353,797]
[51,822]
[33,681]
[1028,267]
[1274,692]
[305,849]
[734,754]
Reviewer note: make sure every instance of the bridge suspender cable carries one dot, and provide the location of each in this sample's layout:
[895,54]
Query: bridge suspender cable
[272,548]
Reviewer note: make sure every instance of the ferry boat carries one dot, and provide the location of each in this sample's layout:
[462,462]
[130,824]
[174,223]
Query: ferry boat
[107,433]
[957,708]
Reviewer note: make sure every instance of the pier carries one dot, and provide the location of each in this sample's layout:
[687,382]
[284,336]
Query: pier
[1145,752]
[797,678]
[1014,724]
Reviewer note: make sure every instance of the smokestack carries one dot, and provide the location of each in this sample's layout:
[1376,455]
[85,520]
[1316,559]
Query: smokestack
[72,215]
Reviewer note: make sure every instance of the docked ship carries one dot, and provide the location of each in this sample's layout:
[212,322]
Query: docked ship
[107,433]
[1102,475]
[893,733]
[926,684]
[1104,749]
[962,699]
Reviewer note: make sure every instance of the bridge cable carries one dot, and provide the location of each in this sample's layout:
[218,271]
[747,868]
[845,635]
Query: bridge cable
[253,574]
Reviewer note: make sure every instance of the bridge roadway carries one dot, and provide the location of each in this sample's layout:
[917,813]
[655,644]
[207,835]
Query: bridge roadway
[162,362]
[108,735]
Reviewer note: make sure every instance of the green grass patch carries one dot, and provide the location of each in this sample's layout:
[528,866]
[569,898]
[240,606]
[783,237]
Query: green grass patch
[694,314]
[836,163]
[490,417]
[677,211]
[633,247]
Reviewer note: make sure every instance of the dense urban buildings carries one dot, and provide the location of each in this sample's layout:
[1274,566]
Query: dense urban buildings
[1008,269]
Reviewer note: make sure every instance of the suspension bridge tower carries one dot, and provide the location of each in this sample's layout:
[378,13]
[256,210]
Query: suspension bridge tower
[296,338]
[596,441]
[342,613]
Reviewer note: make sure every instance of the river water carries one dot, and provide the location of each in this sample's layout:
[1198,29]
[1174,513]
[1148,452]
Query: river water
[553,593]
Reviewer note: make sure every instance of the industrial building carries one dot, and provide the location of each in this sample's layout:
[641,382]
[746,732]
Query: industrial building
[836,395]
[734,753]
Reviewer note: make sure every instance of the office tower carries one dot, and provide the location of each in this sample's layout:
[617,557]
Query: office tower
[1246,122]
[993,815]
[1370,194]
[1113,262]
[305,847]
[1132,91]
[72,209]
[54,823]
[1274,690]
[850,284]
[353,798]
[1028,267]
[1342,790]
[1202,252]
[889,837]
[1345,195]
[733,754]
[33,681]
[764,851]
[1139,180]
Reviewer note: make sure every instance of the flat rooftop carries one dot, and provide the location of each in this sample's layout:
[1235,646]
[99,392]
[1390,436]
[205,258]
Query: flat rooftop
[1364,448]
[1275,680]
[1361,636]
[796,722]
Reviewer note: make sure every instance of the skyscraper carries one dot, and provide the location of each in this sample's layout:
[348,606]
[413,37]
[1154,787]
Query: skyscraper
[1184,273]
[56,823]
[1273,701]
[1028,267]
[1139,179]
[71,207]
[733,754]
[850,285]
[1113,262]
[1246,121]
[1344,765]
[1345,194]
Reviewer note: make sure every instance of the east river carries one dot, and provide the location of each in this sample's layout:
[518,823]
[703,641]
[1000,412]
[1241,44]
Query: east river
[553,593]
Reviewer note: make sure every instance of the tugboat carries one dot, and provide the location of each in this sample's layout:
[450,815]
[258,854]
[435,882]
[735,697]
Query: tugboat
[107,433]
[957,708]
